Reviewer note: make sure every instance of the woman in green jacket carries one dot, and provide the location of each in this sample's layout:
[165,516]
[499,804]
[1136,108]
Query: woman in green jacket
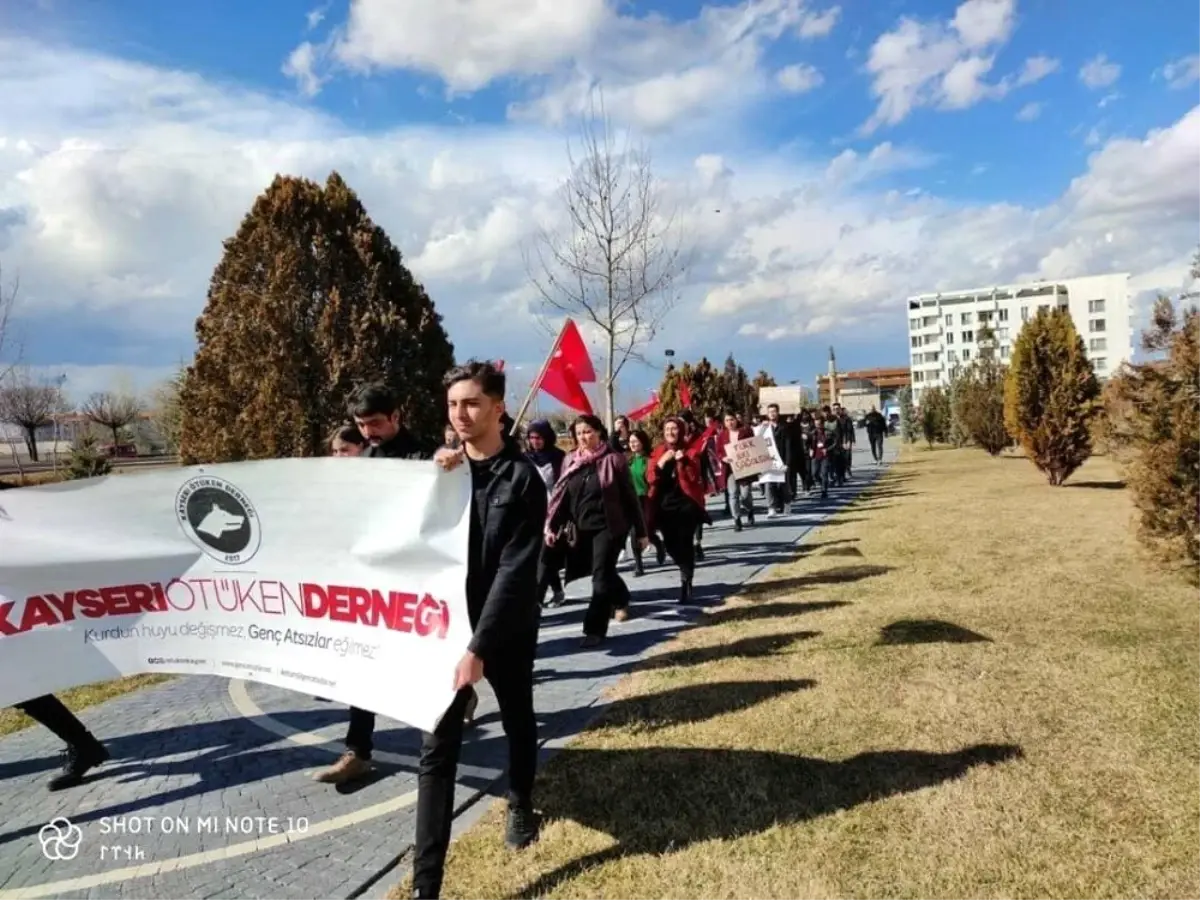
[639,459]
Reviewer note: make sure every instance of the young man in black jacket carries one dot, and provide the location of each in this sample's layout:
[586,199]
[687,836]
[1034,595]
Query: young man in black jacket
[376,412]
[508,512]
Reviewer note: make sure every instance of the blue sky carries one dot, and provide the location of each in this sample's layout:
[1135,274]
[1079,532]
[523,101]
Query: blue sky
[859,152]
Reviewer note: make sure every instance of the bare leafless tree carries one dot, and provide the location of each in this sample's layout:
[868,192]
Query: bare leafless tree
[30,404]
[166,413]
[618,261]
[8,349]
[112,410]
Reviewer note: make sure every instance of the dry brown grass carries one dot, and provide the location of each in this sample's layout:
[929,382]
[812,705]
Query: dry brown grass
[830,734]
[78,698]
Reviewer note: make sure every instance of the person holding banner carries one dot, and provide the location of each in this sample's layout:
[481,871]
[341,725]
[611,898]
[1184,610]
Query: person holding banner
[375,411]
[508,514]
[592,510]
[775,479]
[738,491]
[677,496]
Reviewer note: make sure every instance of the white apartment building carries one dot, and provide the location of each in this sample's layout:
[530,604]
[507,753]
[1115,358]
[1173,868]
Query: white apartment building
[942,327]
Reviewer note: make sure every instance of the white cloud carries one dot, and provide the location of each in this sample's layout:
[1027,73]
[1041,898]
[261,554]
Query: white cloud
[118,182]
[945,64]
[819,25]
[1029,112]
[799,78]
[301,65]
[1099,72]
[315,17]
[654,71]
[1181,72]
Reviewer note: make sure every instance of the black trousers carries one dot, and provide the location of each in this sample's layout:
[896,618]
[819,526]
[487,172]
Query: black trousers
[609,590]
[50,712]
[678,527]
[876,446]
[510,674]
[360,736]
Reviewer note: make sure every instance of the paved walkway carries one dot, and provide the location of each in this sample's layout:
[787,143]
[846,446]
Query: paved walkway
[209,794]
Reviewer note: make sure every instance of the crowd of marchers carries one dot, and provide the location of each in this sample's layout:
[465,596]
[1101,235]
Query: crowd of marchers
[541,517]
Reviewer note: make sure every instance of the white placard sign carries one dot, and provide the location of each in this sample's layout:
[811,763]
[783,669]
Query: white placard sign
[749,457]
[777,473]
[339,577]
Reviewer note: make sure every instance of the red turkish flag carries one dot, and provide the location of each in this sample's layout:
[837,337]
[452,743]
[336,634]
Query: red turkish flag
[685,395]
[566,389]
[646,409]
[569,367]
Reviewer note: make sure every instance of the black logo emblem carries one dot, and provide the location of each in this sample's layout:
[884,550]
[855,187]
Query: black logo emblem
[219,519]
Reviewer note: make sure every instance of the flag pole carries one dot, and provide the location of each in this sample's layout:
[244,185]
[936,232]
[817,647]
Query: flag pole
[537,382]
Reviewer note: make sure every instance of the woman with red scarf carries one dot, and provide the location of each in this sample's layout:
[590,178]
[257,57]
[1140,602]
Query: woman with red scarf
[593,508]
[677,496]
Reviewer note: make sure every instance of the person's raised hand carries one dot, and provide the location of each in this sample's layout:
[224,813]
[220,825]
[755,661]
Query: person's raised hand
[449,458]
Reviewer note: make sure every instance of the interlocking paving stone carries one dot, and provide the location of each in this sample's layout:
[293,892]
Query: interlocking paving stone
[183,754]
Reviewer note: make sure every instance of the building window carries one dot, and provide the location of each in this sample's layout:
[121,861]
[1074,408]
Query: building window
[949,318]
[949,337]
[1095,306]
[985,316]
[1101,364]
[1002,315]
[916,341]
[1096,325]
[966,354]
[1002,334]
[951,356]
[1024,313]
[914,324]
[918,358]
[1004,352]
[965,319]
[968,336]
[1098,344]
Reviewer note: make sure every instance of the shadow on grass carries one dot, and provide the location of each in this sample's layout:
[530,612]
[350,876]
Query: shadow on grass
[927,631]
[692,703]
[836,575]
[756,611]
[747,648]
[658,800]
[842,551]
[1098,485]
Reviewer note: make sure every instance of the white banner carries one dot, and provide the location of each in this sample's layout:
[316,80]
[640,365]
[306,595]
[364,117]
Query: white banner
[344,578]
[749,457]
[777,473]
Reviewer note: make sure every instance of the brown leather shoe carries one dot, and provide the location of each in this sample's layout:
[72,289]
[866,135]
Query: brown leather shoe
[350,767]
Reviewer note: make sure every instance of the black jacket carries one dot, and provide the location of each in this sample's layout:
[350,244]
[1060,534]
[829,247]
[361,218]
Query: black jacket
[876,424]
[508,512]
[402,446]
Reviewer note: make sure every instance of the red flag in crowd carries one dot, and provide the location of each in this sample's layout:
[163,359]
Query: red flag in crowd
[569,366]
[499,365]
[646,409]
[685,395]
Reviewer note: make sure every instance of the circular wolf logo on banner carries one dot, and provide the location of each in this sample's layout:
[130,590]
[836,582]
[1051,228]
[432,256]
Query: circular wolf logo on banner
[219,518]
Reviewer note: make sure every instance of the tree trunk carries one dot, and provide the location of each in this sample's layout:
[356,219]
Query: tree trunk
[609,379]
[116,438]
[31,443]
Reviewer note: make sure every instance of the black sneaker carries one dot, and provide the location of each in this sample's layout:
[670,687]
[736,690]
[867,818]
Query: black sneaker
[78,761]
[699,553]
[522,827]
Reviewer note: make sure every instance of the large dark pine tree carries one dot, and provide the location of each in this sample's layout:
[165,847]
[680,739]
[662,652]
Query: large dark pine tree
[310,299]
